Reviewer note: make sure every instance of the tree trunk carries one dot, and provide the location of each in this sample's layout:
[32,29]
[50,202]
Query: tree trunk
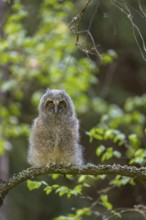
[4,175]
[4,160]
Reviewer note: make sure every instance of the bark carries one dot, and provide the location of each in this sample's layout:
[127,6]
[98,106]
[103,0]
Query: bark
[4,160]
[4,174]
[89,169]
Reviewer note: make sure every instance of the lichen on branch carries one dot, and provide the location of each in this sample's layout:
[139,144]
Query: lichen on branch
[89,169]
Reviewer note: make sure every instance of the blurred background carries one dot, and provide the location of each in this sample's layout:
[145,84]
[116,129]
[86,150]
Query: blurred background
[38,51]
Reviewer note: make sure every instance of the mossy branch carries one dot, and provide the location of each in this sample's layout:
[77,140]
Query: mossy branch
[89,169]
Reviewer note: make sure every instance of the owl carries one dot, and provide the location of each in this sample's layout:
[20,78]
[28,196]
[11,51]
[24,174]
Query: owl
[54,137]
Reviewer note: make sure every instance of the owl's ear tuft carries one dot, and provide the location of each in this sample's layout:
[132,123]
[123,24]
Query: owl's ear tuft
[63,91]
[48,90]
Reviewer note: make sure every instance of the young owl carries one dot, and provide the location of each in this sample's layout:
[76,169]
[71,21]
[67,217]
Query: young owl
[54,137]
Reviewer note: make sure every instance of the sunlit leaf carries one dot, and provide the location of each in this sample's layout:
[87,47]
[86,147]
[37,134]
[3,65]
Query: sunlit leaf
[100,150]
[105,202]
[48,190]
[33,184]
[108,154]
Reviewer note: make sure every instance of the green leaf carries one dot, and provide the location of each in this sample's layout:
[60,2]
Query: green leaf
[100,150]
[105,202]
[116,181]
[82,178]
[117,154]
[85,211]
[109,134]
[120,138]
[62,190]
[55,186]
[70,177]
[96,133]
[133,140]
[55,176]
[77,190]
[108,154]
[108,57]
[48,190]
[33,184]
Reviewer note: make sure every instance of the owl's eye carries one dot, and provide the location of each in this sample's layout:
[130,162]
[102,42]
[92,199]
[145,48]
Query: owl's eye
[50,104]
[62,104]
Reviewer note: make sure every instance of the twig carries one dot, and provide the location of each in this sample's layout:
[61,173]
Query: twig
[77,31]
[141,9]
[80,17]
[122,6]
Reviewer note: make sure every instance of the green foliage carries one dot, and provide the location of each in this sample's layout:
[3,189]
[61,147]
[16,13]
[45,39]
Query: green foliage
[86,179]
[36,61]
[139,157]
[32,62]
[63,190]
[122,180]
[60,190]
[121,127]
[48,189]
[102,134]
[108,57]
[105,202]
[79,214]
[119,134]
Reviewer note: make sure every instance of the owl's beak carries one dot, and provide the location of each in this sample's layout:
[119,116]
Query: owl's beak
[56,109]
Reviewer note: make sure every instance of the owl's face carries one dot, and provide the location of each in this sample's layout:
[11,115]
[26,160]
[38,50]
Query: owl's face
[56,103]
[55,106]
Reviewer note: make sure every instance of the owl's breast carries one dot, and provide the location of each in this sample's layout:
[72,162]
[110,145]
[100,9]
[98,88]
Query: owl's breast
[50,138]
[58,136]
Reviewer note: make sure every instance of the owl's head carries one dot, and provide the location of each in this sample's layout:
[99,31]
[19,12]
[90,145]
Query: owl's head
[56,103]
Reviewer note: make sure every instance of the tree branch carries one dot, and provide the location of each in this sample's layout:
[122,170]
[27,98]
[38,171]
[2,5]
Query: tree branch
[89,169]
